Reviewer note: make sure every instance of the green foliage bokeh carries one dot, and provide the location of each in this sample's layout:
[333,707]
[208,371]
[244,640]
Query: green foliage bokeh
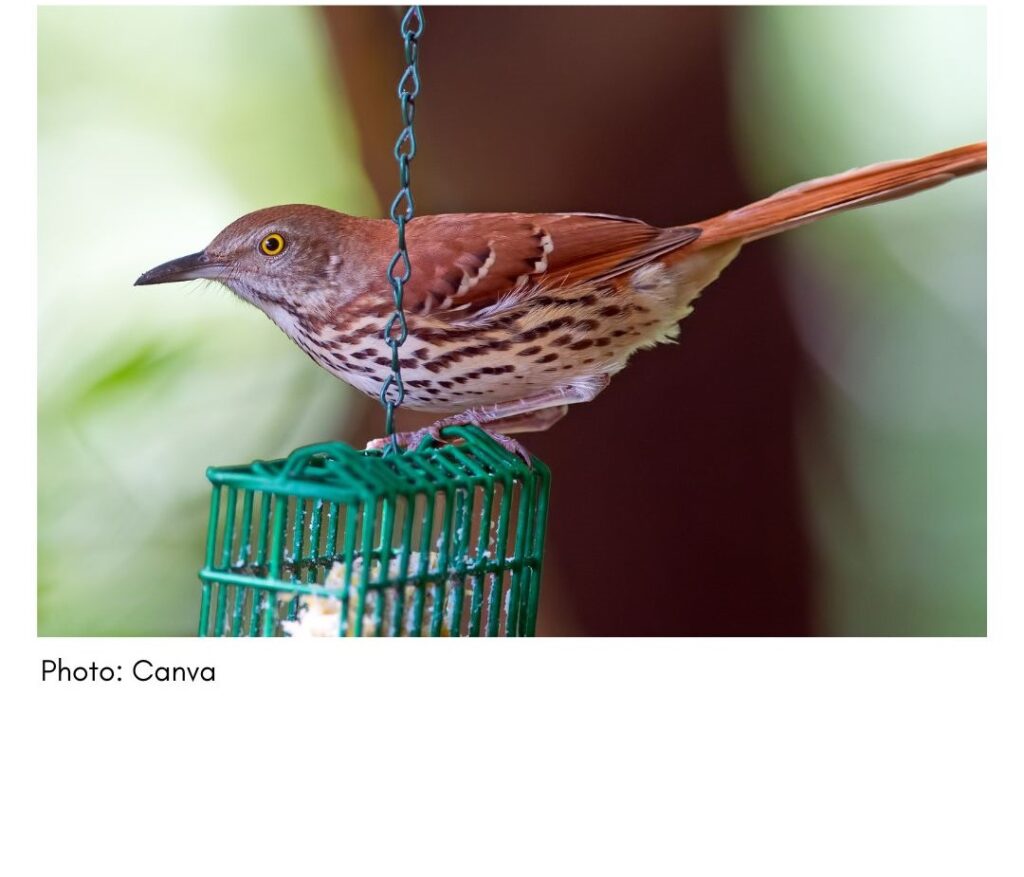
[157,127]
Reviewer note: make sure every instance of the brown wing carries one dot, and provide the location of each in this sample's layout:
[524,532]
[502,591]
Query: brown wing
[472,260]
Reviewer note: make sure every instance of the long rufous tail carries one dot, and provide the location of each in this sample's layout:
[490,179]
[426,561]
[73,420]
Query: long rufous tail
[814,199]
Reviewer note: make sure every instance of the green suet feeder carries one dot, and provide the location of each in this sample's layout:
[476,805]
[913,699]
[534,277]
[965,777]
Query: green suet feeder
[442,540]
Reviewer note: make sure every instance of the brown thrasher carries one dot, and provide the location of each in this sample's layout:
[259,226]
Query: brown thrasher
[512,316]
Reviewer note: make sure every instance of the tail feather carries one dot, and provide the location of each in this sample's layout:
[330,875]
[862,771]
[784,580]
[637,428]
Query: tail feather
[814,199]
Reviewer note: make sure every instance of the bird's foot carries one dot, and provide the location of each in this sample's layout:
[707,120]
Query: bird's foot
[413,440]
[406,439]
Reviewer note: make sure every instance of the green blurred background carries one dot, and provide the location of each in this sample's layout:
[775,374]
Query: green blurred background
[157,126]
[153,135]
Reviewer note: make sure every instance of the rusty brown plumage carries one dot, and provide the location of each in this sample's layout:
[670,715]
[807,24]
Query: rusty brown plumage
[512,317]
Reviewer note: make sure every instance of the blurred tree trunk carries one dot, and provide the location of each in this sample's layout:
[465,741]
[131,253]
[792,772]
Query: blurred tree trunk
[676,506]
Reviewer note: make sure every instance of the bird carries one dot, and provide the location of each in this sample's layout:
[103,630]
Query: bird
[512,317]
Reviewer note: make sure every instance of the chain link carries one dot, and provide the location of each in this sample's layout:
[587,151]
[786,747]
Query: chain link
[402,211]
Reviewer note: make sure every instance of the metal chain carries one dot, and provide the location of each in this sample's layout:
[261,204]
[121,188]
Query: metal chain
[396,331]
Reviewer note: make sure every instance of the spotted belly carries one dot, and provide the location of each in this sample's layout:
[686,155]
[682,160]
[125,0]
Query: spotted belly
[517,348]
[447,367]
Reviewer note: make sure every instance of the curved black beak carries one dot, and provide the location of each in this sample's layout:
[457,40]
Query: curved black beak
[198,265]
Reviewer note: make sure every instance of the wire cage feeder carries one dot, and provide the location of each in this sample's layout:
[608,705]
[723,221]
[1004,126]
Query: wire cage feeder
[443,540]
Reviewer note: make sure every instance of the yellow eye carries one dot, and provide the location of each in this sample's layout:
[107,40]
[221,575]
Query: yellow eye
[272,245]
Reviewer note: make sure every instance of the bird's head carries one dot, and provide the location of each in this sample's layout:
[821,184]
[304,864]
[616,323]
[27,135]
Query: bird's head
[295,255]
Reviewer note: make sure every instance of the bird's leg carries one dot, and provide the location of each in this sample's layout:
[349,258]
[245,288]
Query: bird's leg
[533,421]
[529,414]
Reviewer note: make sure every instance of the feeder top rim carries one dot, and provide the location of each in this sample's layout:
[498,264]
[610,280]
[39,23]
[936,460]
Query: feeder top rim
[336,472]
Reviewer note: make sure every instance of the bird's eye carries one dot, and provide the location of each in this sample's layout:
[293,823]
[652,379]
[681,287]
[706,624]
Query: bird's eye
[272,245]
